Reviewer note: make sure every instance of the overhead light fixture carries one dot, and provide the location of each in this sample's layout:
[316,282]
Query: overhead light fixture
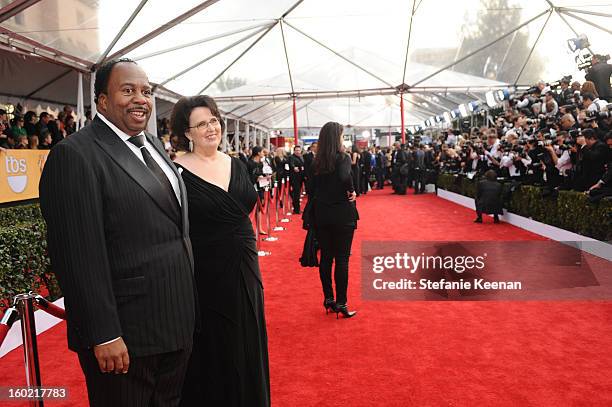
[491,101]
[463,109]
[454,113]
[579,43]
[473,106]
[502,94]
[447,117]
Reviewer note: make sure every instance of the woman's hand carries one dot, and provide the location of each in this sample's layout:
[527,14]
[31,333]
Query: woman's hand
[352,196]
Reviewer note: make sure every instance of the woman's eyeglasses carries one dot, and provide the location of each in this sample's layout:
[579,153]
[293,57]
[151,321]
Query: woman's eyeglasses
[214,122]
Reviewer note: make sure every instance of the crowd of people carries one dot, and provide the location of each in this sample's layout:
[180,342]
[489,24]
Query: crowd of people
[36,132]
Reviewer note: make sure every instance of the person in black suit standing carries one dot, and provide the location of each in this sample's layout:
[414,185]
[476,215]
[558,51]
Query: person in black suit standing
[335,215]
[366,170]
[296,171]
[308,159]
[489,197]
[118,238]
[381,163]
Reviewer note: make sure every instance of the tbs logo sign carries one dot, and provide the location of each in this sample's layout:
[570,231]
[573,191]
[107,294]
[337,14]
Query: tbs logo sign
[17,174]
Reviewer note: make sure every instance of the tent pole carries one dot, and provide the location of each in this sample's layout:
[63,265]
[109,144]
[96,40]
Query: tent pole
[402,113]
[295,124]
[80,103]
[92,82]
[14,8]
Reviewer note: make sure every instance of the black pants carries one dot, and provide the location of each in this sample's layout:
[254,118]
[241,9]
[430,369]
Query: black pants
[335,242]
[479,216]
[296,190]
[151,381]
[419,181]
[380,177]
[365,180]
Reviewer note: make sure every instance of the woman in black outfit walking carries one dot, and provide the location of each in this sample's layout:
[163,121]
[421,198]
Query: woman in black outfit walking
[335,215]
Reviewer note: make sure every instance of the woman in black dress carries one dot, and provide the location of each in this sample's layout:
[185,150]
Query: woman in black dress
[335,215]
[229,362]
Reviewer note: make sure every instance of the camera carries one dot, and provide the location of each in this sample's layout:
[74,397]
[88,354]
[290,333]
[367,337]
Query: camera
[592,116]
[556,84]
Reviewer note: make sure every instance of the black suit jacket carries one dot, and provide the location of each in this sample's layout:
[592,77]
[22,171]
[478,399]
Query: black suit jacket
[489,197]
[119,248]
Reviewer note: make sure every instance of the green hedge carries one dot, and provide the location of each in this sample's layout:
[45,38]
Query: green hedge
[570,210]
[24,262]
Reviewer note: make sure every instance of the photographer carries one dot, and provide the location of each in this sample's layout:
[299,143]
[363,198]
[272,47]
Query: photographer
[603,187]
[592,103]
[566,95]
[600,74]
[592,166]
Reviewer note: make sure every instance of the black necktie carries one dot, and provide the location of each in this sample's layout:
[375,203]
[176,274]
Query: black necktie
[138,141]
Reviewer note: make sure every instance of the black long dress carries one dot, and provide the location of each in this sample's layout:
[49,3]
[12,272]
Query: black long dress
[229,363]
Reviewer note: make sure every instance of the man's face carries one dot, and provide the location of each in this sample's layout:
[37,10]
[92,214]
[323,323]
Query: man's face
[46,119]
[564,85]
[127,103]
[587,103]
[297,151]
[313,147]
[609,142]
[591,141]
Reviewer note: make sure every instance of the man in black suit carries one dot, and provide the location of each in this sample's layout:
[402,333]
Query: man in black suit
[308,160]
[381,162]
[118,238]
[366,170]
[398,176]
[296,174]
[489,197]
[600,74]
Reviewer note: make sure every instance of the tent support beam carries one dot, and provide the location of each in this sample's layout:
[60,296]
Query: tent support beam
[587,22]
[14,8]
[481,48]
[297,3]
[198,42]
[408,46]
[121,31]
[592,13]
[237,58]
[339,55]
[286,55]
[163,28]
[44,85]
[535,43]
[208,58]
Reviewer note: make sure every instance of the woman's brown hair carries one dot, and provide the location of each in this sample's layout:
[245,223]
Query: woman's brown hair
[179,120]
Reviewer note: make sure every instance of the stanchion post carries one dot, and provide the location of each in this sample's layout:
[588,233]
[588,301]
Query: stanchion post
[268,201]
[284,188]
[25,305]
[289,203]
[277,193]
[258,209]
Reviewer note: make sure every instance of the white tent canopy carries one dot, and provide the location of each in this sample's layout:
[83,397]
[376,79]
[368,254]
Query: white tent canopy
[343,60]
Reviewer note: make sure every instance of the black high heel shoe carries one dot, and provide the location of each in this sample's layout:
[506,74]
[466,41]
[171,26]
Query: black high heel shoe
[329,304]
[343,309]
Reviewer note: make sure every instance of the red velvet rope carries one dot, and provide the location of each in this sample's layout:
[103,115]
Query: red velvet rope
[50,308]
[3,331]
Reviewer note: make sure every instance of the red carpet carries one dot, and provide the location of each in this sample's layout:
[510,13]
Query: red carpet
[404,353]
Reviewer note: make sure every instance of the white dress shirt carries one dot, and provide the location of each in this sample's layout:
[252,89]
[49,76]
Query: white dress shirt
[152,150]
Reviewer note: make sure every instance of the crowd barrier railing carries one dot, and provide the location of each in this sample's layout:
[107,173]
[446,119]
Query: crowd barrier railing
[23,309]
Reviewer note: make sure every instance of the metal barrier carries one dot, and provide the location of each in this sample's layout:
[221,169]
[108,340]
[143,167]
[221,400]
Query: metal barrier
[23,309]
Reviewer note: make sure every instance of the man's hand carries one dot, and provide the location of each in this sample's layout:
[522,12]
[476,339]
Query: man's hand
[296,169]
[352,196]
[113,357]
